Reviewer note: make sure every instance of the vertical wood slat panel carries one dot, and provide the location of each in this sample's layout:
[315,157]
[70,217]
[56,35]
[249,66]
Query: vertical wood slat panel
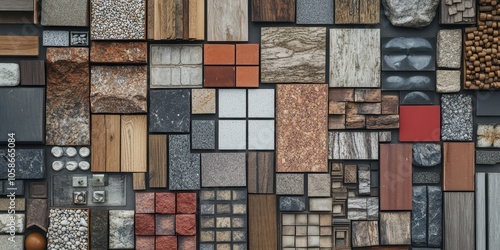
[262,221]
[395,177]
[369,11]
[459,220]
[493,210]
[458,166]
[158,161]
[481,211]
[185,19]
[151,19]
[179,19]
[200,22]
[253,178]
[98,143]
[113,142]
[169,19]
[134,143]
[193,19]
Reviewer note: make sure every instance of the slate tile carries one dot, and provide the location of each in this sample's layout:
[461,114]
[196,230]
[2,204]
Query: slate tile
[169,111]
[261,134]
[232,135]
[223,169]
[176,66]
[29,164]
[203,134]
[203,101]
[426,178]
[232,103]
[456,126]
[247,54]
[144,202]
[486,103]
[55,38]
[292,203]
[63,13]
[407,81]
[418,98]
[419,123]
[261,103]
[99,232]
[247,76]
[227,22]
[219,54]
[121,229]
[318,185]
[314,12]
[289,184]
[419,216]
[219,76]
[32,72]
[9,186]
[184,167]
[395,58]
[105,24]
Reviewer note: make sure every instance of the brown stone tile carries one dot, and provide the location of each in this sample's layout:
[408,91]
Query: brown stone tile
[144,203]
[218,54]
[165,224]
[301,118]
[363,108]
[145,242]
[166,243]
[165,203]
[187,242]
[341,95]
[395,177]
[186,203]
[354,121]
[367,95]
[350,174]
[247,76]
[38,190]
[458,166]
[185,224]
[247,54]
[144,224]
[119,52]
[219,76]
[390,105]
[336,122]
[336,108]
[382,121]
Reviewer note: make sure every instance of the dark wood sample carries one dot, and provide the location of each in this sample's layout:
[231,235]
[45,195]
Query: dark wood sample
[260,172]
[458,12]
[357,11]
[395,177]
[158,161]
[19,45]
[106,142]
[219,76]
[458,166]
[459,220]
[273,10]
[32,72]
[99,232]
[16,5]
[262,228]
[38,213]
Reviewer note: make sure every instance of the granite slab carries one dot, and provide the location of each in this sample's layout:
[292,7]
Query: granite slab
[232,135]
[30,164]
[223,169]
[55,38]
[184,167]
[121,229]
[314,12]
[99,232]
[487,157]
[64,13]
[261,134]
[289,184]
[426,178]
[456,126]
[203,134]
[119,52]
[169,111]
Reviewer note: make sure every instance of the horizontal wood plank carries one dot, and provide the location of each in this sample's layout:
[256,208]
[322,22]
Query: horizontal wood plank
[19,46]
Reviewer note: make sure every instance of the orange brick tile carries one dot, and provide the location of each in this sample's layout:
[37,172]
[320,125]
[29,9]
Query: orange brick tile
[247,54]
[247,76]
[219,54]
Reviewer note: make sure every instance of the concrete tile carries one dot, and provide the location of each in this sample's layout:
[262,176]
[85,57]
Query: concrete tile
[223,170]
[64,13]
[232,135]
[203,134]
[176,66]
[289,184]
[314,12]
[232,103]
[261,103]
[261,134]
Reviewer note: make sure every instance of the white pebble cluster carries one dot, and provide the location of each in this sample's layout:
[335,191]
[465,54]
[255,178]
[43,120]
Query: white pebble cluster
[70,152]
[68,229]
[118,19]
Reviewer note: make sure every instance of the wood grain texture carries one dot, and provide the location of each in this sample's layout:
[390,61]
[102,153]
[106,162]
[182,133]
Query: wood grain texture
[493,212]
[357,11]
[481,222]
[168,19]
[134,143]
[260,172]
[19,46]
[273,10]
[18,17]
[32,72]
[369,11]
[227,20]
[200,20]
[150,8]
[113,143]
[179,19]
[193,25]
[185,19]
[98,143]
[158,161]
[458,166]
[353,145]
[262,221]
[395,228]
[139,180]
[176,19]
[395,177]
[105,143]
[16,5]
[459,220]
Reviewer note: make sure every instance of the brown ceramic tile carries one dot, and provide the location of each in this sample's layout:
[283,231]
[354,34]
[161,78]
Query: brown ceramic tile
[247,76]
[144,202]
[144,224]
[165,203]
[185,224]
[247,54]
[219,76]
[458,166]
[395,177]
[218,54]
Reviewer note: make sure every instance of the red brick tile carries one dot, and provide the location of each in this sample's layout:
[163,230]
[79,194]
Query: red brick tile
[187,242]
[145,242]
[166,242]
[219,54]
[186,203]
[165,203]
[247,76]
[419,123]
[247,54]
[165,224]
[219,76]
[185,224]
[144,224]
[144,203]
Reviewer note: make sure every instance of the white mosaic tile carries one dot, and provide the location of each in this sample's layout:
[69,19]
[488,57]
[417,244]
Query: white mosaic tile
[261,103]
[261,134]
[232,103]
[232,135]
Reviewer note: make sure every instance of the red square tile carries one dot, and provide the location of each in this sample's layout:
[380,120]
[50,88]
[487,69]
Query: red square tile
[219,76]
[145,242]
[247,54]
[166,242]
[185,224]
[187,242]
[144,224]
[186,203]
[165,203]
[218,54]
[420,123]
[144,203]
[165,224]
[247,76]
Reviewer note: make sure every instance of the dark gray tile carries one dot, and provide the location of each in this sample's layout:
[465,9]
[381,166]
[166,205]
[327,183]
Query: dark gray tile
[426,155]
[435,214]
[170,111]
[408,81]
[487,103]
[487,157]
[408,54]
[99,232]
[184,167]
[293,203]
[418,98]
[203,134]
[419,216]
[426,178]
[29,164]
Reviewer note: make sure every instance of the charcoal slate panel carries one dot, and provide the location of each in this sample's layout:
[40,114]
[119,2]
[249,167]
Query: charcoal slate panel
[184,167]
[435,216]
[418,97]
[408,81]
[293,203]
[29,164]
[426,178]
[487,103]
[419,216]
[170,111]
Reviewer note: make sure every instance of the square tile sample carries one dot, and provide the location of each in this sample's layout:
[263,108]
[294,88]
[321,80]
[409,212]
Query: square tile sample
[65,13]
[227,20]
[347,67]
[223,169]
[420,123]
[261,134]
[219,54]
[203,134]
[319,185]
[219,76]
[170,111]
[300,64]
[247,54]
[176,66]
[105,24]
[261,103]
[314,11]
[247,76]
[457,126]
[266,11]
[232,134]
[306,231]
[232,103]
[203,101]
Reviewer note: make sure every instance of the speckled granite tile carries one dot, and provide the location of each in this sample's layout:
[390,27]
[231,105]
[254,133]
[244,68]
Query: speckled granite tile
[169,111]
[30,164]
[64,13]
[56,38]
[184,167]
[289,184]
[223,170]
[314,12]
[203,134]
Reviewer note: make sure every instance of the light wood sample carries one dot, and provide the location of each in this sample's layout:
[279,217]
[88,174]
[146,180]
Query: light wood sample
[19,46]
[227,21]
[134,143]
[158,161]
[139,180]
[105,143]
[176,19]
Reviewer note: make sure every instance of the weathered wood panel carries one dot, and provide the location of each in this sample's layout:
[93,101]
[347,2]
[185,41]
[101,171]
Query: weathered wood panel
[176,19]
[98,144]
[261,172]
[273,10]
[19,45]
[458,12]
[158,161]
[262,221]
[458,166]
[16,5]
[139,180]
[395,177]
[357,11]
[353,145]
[459,220]
[493,210]
[179,19]
[134,143]
[481,222]
[395,228]
[227,20]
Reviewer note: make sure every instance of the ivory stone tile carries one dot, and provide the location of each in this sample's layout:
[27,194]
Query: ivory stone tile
[261,103]
[176,66]
[320,204]
[318,185]
[232,103]
[232,135]
[261,134]
[227,20]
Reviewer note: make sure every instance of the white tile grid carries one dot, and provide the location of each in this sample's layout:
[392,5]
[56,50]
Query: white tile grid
[232,134]
[261,103]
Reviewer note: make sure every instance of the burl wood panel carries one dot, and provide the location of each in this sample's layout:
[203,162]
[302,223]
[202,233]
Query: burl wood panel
[458,166]
[301,128]
[158,161]
[105,143]
[357,11]
[227,20]
[134,143]
[395,177]
[458,220]
[273,10]
[261,172]
[262,221]
[19,45]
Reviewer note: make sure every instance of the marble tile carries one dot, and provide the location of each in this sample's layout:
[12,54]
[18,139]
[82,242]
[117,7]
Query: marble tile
[176,66]
[232,135]
[203,134]
[184,167]
[223,169]
[261,103]
[64,13]
[232,103]
[169,111]
[292,203]
[353,145]
[261,134]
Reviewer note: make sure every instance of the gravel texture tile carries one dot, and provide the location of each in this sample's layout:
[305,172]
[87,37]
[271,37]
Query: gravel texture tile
[55,38]
[203,134]
[456,112]
[314,11]
[449,48]
[118,19]
[184,167]
[223,169]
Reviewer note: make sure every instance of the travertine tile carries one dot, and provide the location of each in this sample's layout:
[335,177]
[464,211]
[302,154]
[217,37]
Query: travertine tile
[318,185]
[203,101]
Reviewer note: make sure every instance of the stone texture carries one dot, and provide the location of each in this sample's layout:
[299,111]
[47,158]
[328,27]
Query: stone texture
[426,155]
[121,229]
[289,184]
[165,203]
[365,233]
[203,101]
[167,242]
[9,74]
[398,56]
[223,170]
[456,112]
[448,81]
[6,219]
[318,185]
[364,180]
[145,202]
[232,103]
[487,157]
[487,136]
[144,224]
[395,228]
[353,145]
[18,243]
[118,20]
[314,11]
[185,224]
[184,167]
[29,164]
[292,203]
[67,108]
[169,111]
[320,204]
[38,212]
[186,203]
[176,66]
[419,216]
[261,103]
[232,135]
[119,52]
[261,134]
[187,242]
[145,242]
[64,13]
[301,125]
[362,208]
[293,54]
[99,232]
[348,69]
[165,224]
[19,205]
[203,133]
[118,89]
[449,49]
[55,38]
[435,216]
[409,14]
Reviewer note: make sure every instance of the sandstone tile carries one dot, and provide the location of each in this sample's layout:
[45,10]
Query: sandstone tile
[223,169]
[203,101]
[219,76]
[318,185]
[395,228]
[232,103]
[144,202]
[176,66]
[64,13]
[247,76]
[165,224]
[448,81]
[219,54]
[289,184]
[449,49]
[184,166]
[261,134]
[232,135]
[55,38]
[119,52]
[144,224]
[247,54]
[203,134]
[261,103]
[227,21]
[320,204]
[169,111]
[336,108]
[165,203]
[105,24]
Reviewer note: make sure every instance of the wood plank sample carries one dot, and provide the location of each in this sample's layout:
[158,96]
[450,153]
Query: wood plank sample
[493,212]
[365,233]
[106,143]
[157,161]
[481,222]
[260,172]
[262,221]
[139,180]
[395,228]
[227,21]
[273,10]
[179,19]
[19,46]
[134,143]
[98,143]
[176,19]
[32,72]
[395,177]
[16,5]
[458,166]
[459,220]
[357,11]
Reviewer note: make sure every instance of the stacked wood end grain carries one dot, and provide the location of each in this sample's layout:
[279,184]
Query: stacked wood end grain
[482,50]
[176,19]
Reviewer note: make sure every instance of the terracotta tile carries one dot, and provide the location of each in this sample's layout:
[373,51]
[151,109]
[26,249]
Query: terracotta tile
[419,123]
[166,243]
[185,224]
[144,203]
[458,166]
[145,242]
[395,177]
[219,54]
[219,76]
[165,203]
[144,224]
[247,77]
[247,54]
[186,203]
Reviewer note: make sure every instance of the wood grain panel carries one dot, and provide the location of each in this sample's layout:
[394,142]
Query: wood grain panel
[16,5]
[273,10]
[346,11]
[158,161]
[19,46]
[32,72]
[227,20]
[262,221]
[481,211]
[458,166]
[168,16]
[17,17]
[179,19]
[98,143]
[185,19]
[369,11]
[459,220]
[150,8]
[493,212]
[133,143]
[395,177]
[261,172]
[113,142]
[139,180]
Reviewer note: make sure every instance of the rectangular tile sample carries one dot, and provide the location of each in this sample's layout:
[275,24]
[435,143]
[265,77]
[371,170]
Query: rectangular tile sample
[223,169]
[19,45]
[64,13]
[349,68]
[184,167]
[125,21]
[314,11]
[176,66]
[227,20]
[481,211]
[273,10]
[395,228]
[365,233]
[119,52]
[16,5]
[407,81]
[459,220]
[301,135]
[260,172]
[99,232]
[458,166]
[357,12]
[134,143]
[395,177]
[121,229]
[68,91]
[487,216]
[419,216]
[435,215]
[106,143]
[262,221]
[157,174]
[353,145]
[203,134]
[300,64]
[486,103]
[394,55]
[32,72]
[419,97]
[29,163]
[456,126]
[170,111]
[37,213]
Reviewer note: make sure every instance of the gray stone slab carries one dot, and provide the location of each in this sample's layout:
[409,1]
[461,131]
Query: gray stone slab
[456,117]
[170,111]
[7,244]
[99,232]
[121,229]
[407,13]
[6,218]
[398,54]
[37,214]
[435,216]
[487,103]
[419,216]
[449,48]
[12,186]
[55,38]
[374,179]
[487,157]
[363,208]
[29,164]
[203,134]
[493,215]
[289,184]
[9,74]
[426,178]
[64,13]
[223,169]
[292,203]
[314,11]
[426,155]
[408,80]
[184,167]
